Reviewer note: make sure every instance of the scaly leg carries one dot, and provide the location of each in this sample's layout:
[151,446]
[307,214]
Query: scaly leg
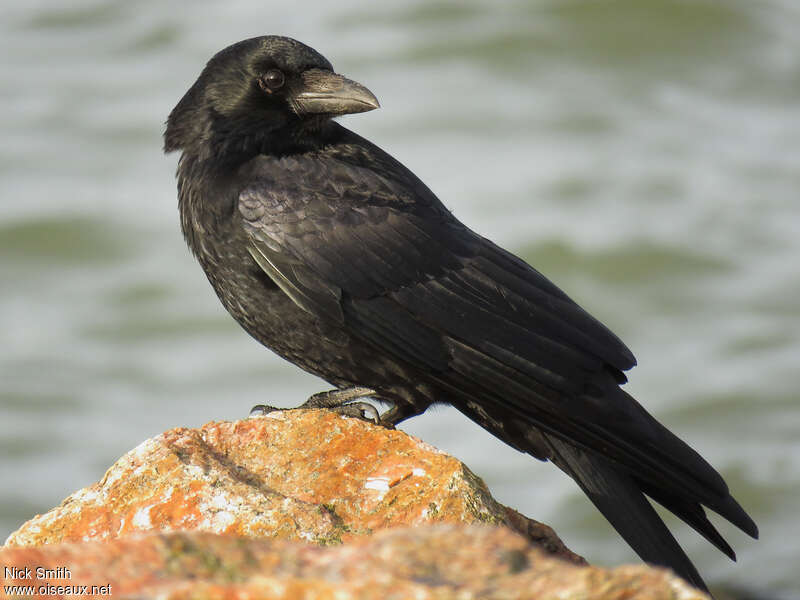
[338,400]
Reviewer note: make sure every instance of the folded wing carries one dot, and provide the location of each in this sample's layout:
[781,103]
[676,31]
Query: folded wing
[387,261]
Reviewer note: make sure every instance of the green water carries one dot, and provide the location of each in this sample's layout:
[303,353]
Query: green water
[643,154]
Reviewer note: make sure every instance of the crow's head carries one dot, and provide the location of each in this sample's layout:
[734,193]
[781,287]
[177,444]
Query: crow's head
[258,86]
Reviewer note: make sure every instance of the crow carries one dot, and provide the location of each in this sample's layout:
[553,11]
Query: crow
[339,259]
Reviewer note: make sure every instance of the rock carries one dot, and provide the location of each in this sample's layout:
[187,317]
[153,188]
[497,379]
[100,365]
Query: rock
[296,475]
[436,562]
[303,504]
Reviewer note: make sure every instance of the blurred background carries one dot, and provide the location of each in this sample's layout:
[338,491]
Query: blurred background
[645,155]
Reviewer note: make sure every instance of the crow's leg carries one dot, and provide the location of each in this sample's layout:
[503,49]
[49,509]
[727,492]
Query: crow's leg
[339,401]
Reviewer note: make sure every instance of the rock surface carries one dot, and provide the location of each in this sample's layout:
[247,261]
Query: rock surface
[436,562]
[296,475]
[228,511]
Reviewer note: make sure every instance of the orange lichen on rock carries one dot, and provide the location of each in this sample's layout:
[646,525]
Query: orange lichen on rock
[297,475]
[257,508]
[439,561]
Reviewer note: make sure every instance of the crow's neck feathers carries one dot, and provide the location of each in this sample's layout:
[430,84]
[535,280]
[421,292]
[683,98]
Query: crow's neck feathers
[212,150]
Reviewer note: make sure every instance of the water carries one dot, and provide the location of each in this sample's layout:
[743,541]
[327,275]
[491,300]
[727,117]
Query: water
[644,155]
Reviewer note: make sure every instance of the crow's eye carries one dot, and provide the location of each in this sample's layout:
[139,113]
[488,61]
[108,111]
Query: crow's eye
[271,80]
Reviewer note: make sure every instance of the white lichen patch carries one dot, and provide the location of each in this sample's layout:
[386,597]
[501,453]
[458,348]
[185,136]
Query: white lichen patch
[222,520]
[86,496]
[220,501]
[378,484]
[142,456]
[141,520]
[142,450]
[168,494]
[113,475]
[220,512]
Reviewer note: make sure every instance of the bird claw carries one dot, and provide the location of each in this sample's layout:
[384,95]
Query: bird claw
[340,401]
[359,410]
[259,410]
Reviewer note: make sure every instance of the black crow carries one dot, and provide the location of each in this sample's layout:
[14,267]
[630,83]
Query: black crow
[338,258]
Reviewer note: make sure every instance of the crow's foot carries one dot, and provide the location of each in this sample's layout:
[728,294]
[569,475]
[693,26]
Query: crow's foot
[340,401]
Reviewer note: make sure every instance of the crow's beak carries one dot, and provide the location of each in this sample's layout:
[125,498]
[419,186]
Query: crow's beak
[325,92]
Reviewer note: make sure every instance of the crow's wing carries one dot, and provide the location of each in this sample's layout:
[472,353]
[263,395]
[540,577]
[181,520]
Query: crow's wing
[349,229]
[368,245]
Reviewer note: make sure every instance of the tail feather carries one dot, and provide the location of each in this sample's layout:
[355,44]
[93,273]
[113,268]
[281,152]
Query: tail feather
[619,497]
[712,490]
[616,452]
[691,513]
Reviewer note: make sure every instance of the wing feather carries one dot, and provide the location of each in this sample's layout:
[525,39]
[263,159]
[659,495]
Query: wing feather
[386,260]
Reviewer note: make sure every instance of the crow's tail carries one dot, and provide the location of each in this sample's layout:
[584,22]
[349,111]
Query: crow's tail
[619,497]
